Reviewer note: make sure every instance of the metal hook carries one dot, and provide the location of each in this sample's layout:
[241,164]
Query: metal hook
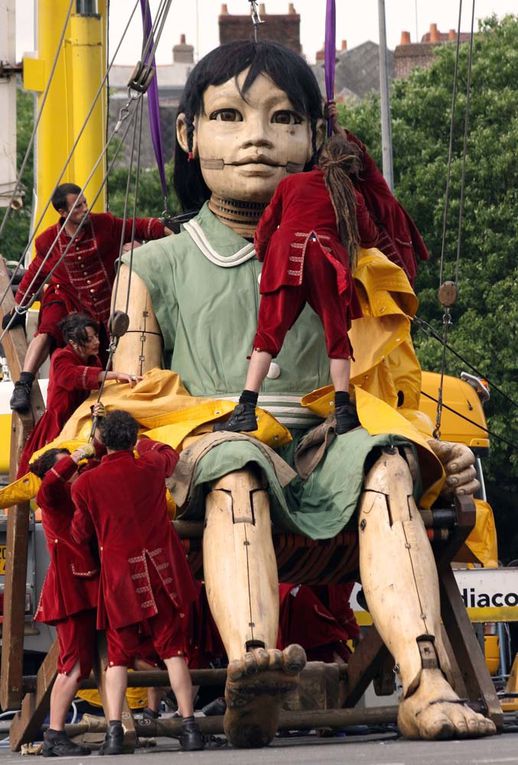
[256,19]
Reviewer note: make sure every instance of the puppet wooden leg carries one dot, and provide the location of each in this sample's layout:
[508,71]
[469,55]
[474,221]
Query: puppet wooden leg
[242,589]
[400,582]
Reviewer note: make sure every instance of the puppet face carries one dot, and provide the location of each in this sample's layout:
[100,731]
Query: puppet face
[245,147]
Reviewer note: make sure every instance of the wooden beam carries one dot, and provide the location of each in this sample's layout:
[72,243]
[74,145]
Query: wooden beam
[364,665]
[15,346]
[26,724]
[466,648]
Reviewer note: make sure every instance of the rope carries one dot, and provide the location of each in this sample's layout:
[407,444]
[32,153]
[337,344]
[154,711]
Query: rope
[71,152]
[430,331]
[472,422]
[450,147]
[18,183]
[465,143]
[23,307]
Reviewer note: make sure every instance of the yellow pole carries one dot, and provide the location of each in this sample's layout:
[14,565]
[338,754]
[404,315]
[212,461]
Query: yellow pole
[80,69]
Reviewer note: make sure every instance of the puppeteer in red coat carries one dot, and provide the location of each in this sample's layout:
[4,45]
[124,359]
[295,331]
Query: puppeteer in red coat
[69,594]
[298,240]
[71,379]
[140,553]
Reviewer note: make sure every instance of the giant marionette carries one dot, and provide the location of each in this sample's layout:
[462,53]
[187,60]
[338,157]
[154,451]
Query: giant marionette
[251,114]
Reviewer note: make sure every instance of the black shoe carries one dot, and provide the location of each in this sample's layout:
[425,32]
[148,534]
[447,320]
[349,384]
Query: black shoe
[216,707]
[21,398]
[113,740]
[191,738]
[346,418]
[56,743]
[241,420]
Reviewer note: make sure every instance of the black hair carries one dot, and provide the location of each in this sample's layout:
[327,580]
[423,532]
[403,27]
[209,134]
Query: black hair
[119,430]
[73,328]
[59,197]
[47,460]
[286,68]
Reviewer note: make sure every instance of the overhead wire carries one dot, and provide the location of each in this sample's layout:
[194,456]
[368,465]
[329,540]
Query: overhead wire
[71,152]
[431,332]
[18,183]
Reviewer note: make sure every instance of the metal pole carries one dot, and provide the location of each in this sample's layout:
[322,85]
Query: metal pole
[386,128]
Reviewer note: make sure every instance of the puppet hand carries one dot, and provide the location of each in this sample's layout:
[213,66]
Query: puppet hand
[459,464]
[167,231]
[132,380]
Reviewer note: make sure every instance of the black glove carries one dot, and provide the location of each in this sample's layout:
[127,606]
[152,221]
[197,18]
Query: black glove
[17,321]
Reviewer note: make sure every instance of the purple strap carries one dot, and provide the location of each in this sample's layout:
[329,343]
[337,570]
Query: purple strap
[330,54]
[152,98]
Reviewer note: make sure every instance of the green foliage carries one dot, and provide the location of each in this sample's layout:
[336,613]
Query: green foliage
[16,233]
[486,314]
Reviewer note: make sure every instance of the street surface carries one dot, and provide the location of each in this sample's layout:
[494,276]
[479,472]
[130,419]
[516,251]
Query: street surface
[380,749]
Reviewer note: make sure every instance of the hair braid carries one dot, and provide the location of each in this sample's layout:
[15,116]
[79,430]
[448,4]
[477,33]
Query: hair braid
[339,160]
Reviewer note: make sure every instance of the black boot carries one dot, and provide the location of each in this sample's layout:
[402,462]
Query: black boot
[346,418]
[191,738]
[56,743]
[150,714]
[21,398]
[216,707]
[242,419]
[113,740]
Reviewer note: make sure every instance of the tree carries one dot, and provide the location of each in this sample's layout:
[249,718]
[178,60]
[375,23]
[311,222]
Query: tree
[485,316]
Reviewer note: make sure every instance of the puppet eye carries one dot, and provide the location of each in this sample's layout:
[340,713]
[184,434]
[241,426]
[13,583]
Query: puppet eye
[286,117]
[226,115]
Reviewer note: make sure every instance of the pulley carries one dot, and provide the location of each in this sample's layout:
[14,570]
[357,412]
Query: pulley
[118,324]
[447,294]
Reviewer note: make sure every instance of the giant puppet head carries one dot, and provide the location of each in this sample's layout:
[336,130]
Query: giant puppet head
[250,114]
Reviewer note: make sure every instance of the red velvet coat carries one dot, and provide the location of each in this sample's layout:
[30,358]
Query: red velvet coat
[399,239]
[300,207]
[84,278]
[122,502]
[70,382]
[72,581]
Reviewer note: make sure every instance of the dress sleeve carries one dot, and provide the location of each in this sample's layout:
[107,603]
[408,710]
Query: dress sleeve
[74,376]
[269,221]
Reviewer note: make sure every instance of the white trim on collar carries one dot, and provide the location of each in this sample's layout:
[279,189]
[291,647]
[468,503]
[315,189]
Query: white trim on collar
[199,238]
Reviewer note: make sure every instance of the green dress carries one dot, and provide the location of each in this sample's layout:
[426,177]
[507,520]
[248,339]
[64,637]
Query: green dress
[204,287]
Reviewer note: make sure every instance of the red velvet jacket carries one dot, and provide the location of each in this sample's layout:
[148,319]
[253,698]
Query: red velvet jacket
[70,382]
[86,274]
[400,239]
[122,502]
[301,206]
[72,581]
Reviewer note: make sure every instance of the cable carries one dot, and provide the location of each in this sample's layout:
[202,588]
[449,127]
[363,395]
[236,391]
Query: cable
[430,331]
[71,152]
[21,308]
[472,422]
[19,176]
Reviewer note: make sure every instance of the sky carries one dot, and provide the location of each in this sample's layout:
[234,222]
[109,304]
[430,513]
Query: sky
[198,20]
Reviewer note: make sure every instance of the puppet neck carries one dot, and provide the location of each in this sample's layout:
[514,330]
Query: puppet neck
[241,217]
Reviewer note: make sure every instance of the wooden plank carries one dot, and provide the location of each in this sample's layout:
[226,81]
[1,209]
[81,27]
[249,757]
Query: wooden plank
[466,647]
[26,724]
[364,664]
[15,346]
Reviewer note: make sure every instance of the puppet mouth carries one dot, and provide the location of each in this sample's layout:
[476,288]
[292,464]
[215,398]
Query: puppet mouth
[254,163]
[259,159]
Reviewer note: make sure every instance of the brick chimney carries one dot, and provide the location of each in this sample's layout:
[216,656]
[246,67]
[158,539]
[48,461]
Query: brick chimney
[405,38]
[344,45]
[452,35]
[224,10]
[321,54]
[434,34]
[291,8]
[182,52]
[262,9]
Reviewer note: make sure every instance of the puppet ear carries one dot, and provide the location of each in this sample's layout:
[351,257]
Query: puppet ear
[182,135]
[320,133]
